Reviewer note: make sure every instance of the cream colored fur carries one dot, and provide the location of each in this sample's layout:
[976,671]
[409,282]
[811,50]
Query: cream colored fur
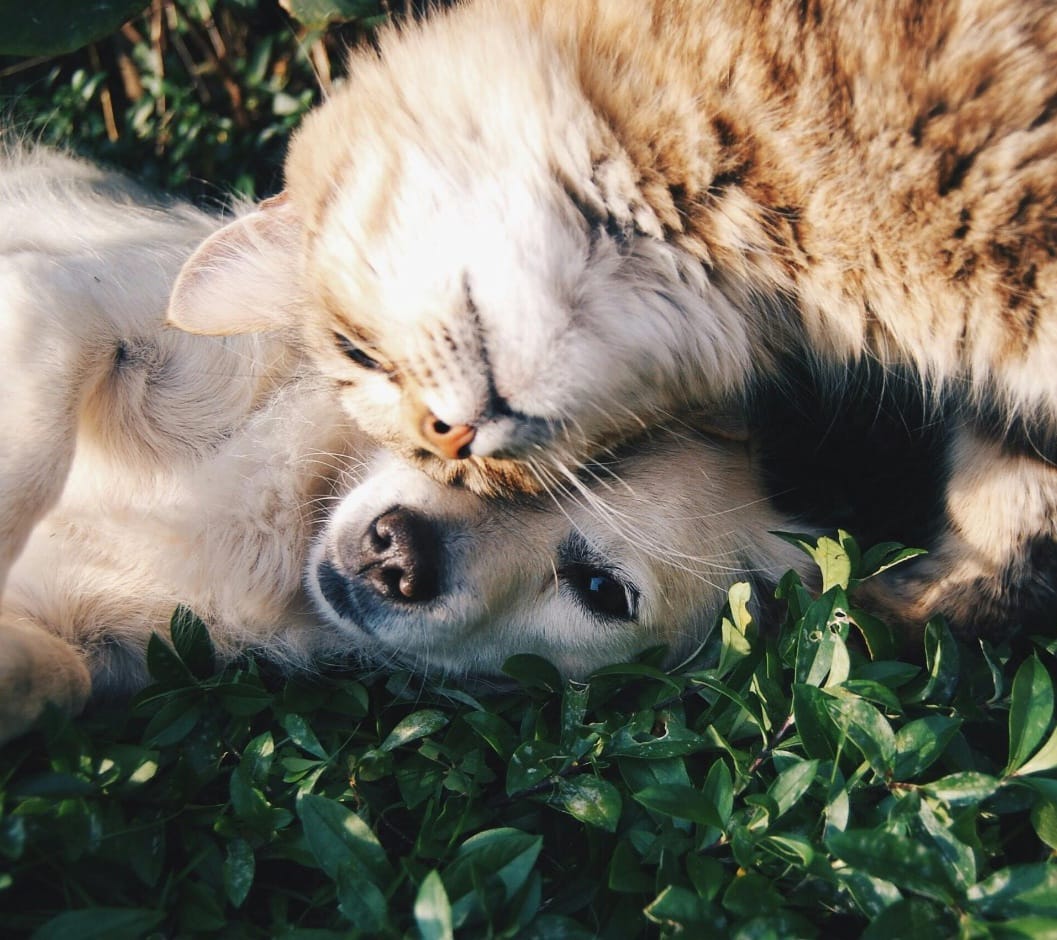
[140,467]
[672,526]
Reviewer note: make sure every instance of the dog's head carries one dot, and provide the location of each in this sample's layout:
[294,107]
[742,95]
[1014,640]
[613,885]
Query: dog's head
[641,552]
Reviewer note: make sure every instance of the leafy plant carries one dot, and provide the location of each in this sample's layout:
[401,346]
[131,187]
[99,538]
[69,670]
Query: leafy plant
[193,96]
[793,781]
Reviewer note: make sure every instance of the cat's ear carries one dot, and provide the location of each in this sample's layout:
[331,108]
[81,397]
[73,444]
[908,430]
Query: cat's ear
[244,277]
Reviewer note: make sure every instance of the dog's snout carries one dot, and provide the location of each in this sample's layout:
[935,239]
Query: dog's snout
[398,557]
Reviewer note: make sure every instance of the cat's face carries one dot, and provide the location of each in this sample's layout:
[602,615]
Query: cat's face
[484,329]
[437,578]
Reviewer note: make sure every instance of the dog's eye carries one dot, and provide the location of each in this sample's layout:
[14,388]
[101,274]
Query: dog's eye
[356,354]
[601,592]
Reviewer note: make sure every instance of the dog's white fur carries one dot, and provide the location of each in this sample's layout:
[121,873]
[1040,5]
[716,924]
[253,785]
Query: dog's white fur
[143,467]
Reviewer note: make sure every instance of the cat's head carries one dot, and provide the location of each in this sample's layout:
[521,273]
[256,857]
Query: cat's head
[463,246]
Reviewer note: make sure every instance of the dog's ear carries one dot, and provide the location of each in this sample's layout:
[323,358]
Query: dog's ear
[244,277]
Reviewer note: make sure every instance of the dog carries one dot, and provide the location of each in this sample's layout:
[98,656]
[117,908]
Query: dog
[143,468]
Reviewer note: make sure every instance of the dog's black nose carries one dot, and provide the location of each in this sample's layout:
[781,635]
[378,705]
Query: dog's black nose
[398,557]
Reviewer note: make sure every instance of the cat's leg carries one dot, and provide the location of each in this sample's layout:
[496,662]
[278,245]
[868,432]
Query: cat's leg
[995,560]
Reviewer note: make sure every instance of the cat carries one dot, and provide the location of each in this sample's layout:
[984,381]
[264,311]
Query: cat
[523,230]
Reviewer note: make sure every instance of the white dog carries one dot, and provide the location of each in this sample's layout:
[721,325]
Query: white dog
[142,467]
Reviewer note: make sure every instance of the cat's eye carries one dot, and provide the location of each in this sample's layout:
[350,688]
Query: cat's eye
[357,355]
[601,592]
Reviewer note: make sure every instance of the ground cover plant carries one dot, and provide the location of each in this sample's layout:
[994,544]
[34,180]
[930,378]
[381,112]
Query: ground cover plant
[793,781]
[799,778]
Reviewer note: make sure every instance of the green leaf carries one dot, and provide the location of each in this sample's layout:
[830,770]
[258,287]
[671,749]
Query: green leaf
[814,724]
[574,707]
[937,829]
[749,713]
[682,909]
[718,791]
[506,854]
[318,14]
[962,788]
[12,837]
[831,557]
[493,729]
[531,764]
[675,741]
[244,697]
[626,873]
[866,728]
[239,868]
[735,631]
[100,923]
[895,857]
[909,918]
[164,665]
[942,663]
[791,784]
[1030,711]
[921,742]
[192,643]
[335,833]
[36,31]
[257,758]
[1017,891]
[821,639]
[360,899]
[533,672]
[794,850]
[433,909]
[303,736]
[1045,759]
[173,722]
[591,800]
[417,725]
[1044,821]
[681,803]
[884,555]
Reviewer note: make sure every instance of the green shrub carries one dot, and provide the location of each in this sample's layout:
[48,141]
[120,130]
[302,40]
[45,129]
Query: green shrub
[195,97]
[797,781]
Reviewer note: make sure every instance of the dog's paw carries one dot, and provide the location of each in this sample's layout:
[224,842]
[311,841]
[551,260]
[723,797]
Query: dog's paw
[37,669]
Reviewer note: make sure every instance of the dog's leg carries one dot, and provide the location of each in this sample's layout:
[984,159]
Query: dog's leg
[52,346]
[37,668]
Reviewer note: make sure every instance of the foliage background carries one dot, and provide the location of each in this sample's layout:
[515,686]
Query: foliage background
[797,779]
[194,96]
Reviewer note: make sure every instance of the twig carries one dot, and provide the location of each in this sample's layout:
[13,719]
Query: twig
[106,99]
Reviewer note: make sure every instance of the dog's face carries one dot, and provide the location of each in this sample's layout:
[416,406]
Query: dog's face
[442,580]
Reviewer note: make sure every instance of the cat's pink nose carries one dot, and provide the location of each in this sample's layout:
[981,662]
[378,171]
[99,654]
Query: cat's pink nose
[449,441]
